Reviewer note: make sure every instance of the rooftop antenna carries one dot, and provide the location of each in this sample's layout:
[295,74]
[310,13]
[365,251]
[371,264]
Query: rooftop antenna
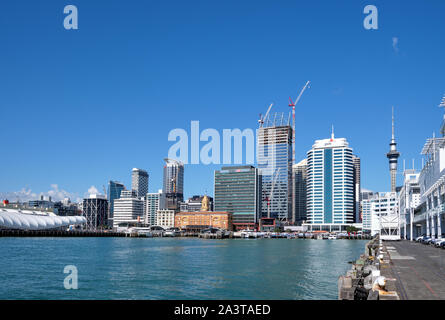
[332,132]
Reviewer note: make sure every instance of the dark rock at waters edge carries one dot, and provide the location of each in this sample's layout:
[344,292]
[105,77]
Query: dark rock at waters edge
[366,280]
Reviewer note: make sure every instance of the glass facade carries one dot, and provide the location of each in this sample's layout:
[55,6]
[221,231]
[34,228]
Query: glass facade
[275,164]
[237,191]
[330,183]
[113,192]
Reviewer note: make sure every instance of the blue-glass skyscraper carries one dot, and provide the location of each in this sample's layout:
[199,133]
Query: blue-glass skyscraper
[274,157]
[330,184]
[113,192]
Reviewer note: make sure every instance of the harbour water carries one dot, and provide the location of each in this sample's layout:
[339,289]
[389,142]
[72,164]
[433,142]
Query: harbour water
[174,268]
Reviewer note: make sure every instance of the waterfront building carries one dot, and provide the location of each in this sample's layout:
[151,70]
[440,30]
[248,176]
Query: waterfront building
[409,200]
[274,157]
[165,218]
[64,208]
[153,203]
[385,215]
[41,203]
[330,185]
[300,179]
[194,204]
[197,221]
[23,219]
[392,156]
[139,182]
[113,192]
[173,185]
[128,209]
[357,189]
[430,219]
[365,205]
[238,191]
[95,210]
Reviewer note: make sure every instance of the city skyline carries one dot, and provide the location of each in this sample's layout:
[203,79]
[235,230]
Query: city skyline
[67,84]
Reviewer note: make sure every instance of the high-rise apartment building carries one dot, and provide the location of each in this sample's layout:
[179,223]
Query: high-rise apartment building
[238,191]
[139,182]
[173,183]
[330,184]
[274,157]
[300,180]
[153,203]
[95,210]
[128,209]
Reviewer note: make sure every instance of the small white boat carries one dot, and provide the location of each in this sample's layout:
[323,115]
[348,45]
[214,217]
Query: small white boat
[332,237]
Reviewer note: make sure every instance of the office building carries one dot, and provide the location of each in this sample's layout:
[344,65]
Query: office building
[139,182]
[274,157]
[113,192]
[238,191]
[300,180]
[365,205]
[128,209]
[173,183]
[95,210]
[165,218]
[330,185]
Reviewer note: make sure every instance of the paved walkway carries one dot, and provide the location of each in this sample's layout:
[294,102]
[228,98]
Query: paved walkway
[419,270]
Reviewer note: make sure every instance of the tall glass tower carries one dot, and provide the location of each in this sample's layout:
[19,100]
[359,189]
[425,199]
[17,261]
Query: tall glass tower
[139,182]
[113,192]
[330,183]
[173,183]
[274,158]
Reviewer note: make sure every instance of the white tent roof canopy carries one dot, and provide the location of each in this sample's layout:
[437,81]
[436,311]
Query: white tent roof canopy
[16,219]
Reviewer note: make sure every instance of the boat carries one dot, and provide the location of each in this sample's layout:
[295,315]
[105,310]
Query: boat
[332,237]
[247,234]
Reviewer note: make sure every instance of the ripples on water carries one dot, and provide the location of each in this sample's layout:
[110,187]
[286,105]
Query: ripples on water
[169,268]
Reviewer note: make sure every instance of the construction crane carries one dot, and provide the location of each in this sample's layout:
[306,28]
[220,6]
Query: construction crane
[292,105]
[261,121]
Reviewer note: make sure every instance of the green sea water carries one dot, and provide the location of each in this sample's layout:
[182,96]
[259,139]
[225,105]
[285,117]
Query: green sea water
[174,268]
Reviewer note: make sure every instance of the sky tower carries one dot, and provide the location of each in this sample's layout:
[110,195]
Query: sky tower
[392,156]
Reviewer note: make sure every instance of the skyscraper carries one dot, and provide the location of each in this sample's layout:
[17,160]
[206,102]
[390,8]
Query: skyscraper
[357,189]
[139,182]
[392,156]
[300,179]
[238,191]
[173,183]
[330,185]
[274,159]
[113,192]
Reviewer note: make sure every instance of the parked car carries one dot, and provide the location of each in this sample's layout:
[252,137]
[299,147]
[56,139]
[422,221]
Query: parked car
[426,240]
[438,242]
[434,241]
[418,239]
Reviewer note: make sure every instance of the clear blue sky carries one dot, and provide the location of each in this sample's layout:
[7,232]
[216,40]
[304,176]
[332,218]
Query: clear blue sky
[81,107]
